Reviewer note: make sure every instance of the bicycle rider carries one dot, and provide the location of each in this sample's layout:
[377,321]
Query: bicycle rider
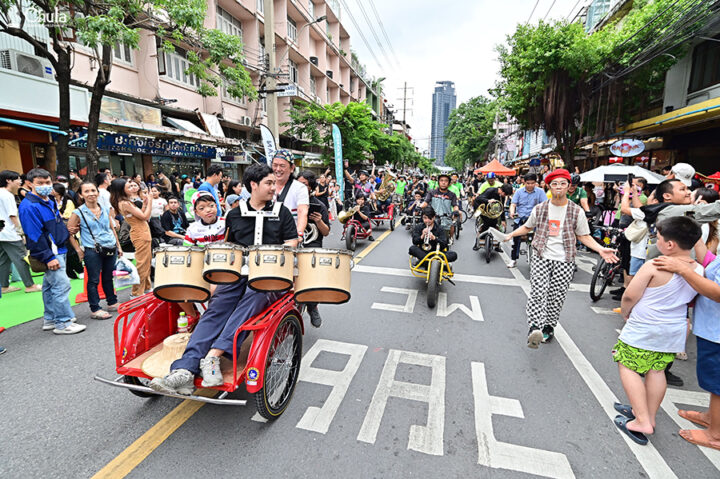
[445,204]
[435,235]
[523,202]
[491,194]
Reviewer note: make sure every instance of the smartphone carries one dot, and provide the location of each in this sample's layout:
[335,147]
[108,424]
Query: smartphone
[630,179]
[315,208]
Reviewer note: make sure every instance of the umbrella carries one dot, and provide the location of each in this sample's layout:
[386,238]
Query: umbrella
[715,176]
[496,167]
[619,172]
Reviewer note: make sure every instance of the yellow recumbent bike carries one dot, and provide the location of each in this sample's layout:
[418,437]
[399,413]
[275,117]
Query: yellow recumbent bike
[435,268]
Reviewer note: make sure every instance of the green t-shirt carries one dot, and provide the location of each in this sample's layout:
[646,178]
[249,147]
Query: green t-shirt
[576,196]
[456,188]
[643,201]
[487,185]
[400,187]
[432,185]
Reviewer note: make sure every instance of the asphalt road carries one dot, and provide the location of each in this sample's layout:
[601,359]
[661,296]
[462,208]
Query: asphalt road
[447,392]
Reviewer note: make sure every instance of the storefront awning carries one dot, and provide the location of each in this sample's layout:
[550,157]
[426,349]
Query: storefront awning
[185,125]
[690,115]
[33,125]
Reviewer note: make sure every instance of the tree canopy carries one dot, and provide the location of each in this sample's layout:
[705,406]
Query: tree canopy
[469,131]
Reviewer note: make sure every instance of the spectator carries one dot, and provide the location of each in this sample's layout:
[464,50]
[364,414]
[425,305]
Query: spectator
[102,181]
[99,249]
[234,188]
[174,223]
[231,202]
[46,235]
[150,180]
[159,204]
[62,180]
[137,178]
[75,181]
[25,187]
[163,182]
[12,248]
[66,206]
[213,178]
[2,226]
[136,211]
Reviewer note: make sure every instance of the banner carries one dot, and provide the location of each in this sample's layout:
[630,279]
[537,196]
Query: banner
[268,141]
[337,143]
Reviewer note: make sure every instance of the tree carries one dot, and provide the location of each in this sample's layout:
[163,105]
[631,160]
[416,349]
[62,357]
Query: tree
[359,130]
[215,58]
[396,150]
[469,131]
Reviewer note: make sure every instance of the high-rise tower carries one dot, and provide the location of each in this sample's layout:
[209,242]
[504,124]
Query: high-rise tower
[444,101]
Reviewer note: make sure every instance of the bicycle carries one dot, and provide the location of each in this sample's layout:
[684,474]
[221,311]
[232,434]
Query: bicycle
[605,273]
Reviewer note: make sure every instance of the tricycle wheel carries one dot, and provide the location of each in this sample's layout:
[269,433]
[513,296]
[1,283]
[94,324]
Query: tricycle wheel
[392,224]
[350,238]
[433,283]
[488,247]
[138,382]
[282,367]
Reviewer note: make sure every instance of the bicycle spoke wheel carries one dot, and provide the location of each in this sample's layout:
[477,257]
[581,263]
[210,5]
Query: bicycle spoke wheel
[600,280]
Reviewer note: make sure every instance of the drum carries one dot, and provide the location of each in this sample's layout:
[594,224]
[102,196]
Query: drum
[178,274]
[323,276]
[270,267]
[223,263]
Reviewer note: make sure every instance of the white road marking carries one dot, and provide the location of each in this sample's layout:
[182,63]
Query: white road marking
[691,398]
[427,439]
[444,310]
[585,264]
[319,419]
[502,455]
[409,305]
[258,418]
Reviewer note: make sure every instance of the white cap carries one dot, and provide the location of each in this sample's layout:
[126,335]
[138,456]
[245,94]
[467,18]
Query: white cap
[684,173]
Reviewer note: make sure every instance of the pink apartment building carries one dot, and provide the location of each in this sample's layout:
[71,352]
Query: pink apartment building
[152,116]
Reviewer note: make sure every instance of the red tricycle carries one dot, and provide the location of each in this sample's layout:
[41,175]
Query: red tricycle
[268,361]
[388,215]
[354,230]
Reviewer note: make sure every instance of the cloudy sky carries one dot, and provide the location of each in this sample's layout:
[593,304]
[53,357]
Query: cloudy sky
[437,40]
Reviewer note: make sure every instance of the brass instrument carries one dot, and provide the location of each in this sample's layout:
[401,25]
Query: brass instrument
[493,209]
[426,244]
[386,187]
[343,216]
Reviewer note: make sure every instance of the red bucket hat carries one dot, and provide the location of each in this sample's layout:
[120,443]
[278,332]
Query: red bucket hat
[559,173]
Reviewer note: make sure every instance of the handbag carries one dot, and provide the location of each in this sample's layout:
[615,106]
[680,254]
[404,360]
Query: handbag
[98,248]
[36,265]
[636,231]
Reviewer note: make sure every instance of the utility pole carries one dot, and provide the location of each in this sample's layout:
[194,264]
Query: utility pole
[405,108]
[270,82]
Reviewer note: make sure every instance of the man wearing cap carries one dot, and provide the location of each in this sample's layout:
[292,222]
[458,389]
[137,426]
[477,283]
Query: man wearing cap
[290,192]
[491,182]
[444,202]
[233,304]
[559,224]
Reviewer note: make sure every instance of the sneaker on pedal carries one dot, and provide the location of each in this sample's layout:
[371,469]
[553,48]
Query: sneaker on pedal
[535,337]
[210,372]
[179,381]
[548,333]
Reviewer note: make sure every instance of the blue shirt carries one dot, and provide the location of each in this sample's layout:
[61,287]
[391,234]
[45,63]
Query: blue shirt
[211,189]
[100,228]
[526,201]
[706,320]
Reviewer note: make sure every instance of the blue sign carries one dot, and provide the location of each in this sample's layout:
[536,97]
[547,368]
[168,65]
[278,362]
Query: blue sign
[152,146]
[337,143]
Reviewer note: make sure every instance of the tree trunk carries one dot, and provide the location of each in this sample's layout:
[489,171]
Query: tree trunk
[101,82]
[63,78]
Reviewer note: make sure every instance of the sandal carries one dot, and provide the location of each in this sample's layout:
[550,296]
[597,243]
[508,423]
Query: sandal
[693,416]
[113,307]
[100,314]
[699,437]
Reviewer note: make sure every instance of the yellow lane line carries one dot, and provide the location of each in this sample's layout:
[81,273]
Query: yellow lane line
[136,452]
[371,246]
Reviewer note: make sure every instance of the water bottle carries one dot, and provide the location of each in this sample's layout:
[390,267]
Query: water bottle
[182,323]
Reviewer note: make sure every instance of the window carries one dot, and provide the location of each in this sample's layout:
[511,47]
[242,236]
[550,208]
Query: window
[260,6]
[327,94]
[292,29]
[227,97]
[705,66]
[311,8]
[293,71]
[122,52]
[313,86]
[176,66]
[226,23]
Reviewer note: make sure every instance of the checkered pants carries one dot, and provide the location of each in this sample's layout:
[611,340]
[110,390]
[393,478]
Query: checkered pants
[549,283]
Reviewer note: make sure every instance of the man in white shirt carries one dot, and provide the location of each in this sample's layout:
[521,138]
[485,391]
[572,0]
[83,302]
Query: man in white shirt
[293,194]
[102,181]
[12,248]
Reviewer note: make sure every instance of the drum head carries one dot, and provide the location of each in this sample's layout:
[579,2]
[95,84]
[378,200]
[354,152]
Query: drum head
[180,293]
[323,296]
[270,284]
[225,276]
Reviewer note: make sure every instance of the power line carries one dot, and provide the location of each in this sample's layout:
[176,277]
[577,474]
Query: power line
[384,32]
[573,9]
[372,30]
[533,11]
[549,9]
[359,31]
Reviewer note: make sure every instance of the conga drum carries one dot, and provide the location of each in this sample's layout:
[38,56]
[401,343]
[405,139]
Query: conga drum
[223,263]
[178,274]
[270,267]
[323,275]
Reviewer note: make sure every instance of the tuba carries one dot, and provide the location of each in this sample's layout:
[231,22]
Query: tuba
[343,216]
[492,210]
[387,187]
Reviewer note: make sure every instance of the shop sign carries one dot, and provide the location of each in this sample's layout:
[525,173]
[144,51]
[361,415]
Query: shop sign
[642,160]
[627,147]
[153,146]
[615,159]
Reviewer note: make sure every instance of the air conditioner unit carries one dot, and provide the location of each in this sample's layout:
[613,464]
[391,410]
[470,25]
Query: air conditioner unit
[329,73]
[314,60]
[247,121]
[26,63]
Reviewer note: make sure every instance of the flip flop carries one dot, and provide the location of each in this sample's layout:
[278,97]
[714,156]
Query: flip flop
[625,410]
[697,437]
[638,437]
[692,416]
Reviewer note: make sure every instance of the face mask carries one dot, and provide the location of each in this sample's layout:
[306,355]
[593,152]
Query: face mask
[44,190]
[65,185]
[72,177]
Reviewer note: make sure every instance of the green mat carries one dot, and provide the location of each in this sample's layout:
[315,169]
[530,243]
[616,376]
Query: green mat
[20,307]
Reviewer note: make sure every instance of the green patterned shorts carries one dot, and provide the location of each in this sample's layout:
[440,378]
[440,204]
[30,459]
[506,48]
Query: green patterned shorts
[641,360]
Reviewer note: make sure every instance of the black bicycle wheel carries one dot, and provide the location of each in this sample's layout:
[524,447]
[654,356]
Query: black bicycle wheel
[282,367]
[488,247]
[433,286]
[138,382]
[463,216]
[350,240]
[600,279]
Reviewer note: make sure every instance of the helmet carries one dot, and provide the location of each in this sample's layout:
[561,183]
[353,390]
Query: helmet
[490,175]
[575,179]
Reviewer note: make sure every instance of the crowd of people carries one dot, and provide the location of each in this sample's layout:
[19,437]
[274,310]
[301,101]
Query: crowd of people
[72,227]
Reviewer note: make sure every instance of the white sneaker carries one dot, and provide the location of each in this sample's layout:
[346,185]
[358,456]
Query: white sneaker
[50,326]
[512,263]
[210,371]
[179,381]
[73,328]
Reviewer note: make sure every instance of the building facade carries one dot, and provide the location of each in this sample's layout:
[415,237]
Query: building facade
[153,100]
[444,101]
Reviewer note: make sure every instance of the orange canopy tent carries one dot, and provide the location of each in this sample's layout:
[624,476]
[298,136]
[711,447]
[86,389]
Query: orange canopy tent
[496,167]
